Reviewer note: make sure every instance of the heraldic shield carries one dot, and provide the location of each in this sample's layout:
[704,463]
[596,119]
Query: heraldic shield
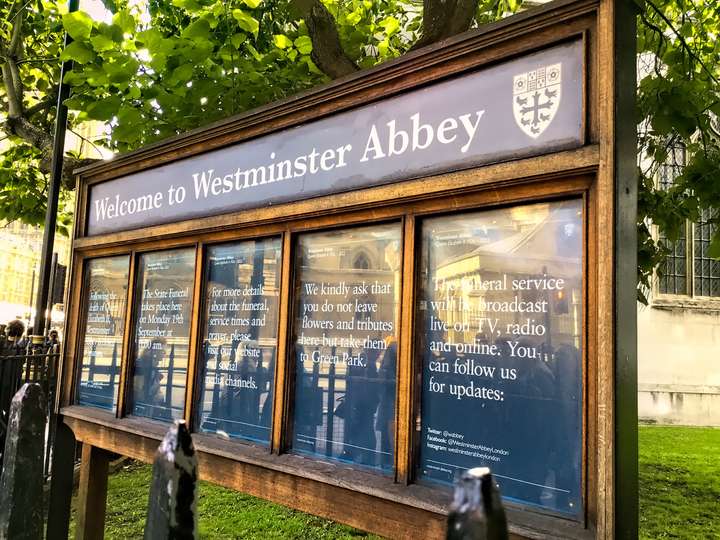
[536,98]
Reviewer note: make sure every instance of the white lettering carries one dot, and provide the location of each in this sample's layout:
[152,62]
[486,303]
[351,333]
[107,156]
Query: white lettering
[373,144]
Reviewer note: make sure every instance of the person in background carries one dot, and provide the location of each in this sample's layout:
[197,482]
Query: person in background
[52,338]
[15,330]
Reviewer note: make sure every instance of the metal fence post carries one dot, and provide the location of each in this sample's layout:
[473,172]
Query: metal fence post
[21,485]
[477,511]
[172,509]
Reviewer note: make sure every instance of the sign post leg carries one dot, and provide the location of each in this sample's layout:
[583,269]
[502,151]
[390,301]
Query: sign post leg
[92,493]
[61,482]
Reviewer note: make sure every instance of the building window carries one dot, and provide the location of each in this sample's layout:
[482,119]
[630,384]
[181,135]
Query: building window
[706,271]
[688,270]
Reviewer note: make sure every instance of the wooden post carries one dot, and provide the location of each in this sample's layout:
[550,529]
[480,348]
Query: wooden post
[92,493]
[61,482]
[21,485]
[173,494]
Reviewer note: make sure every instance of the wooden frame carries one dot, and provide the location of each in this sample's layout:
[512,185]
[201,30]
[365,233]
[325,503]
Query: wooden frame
[401,508]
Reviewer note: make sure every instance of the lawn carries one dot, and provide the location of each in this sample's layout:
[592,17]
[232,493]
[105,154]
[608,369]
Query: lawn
[679,497]
[223,513]
[679,482]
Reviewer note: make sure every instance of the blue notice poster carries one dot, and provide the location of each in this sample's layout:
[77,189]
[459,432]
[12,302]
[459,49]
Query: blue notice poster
[164,289]
[107,287]
[345,343]
[500,320]
[240,339]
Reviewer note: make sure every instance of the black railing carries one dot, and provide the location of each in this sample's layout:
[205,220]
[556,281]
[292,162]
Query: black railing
[28,360]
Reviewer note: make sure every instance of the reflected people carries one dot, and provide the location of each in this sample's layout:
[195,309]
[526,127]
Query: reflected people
[148,379]
[385,420]
[309,403]
[357,408]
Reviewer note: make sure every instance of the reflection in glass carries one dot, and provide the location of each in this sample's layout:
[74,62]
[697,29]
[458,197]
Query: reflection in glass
[500,334]
[162,333]
[106,281]
[240,339]
[347,289]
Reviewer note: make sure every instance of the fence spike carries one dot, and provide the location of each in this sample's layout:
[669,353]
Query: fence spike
[21,484]
[172,512]
[477,511]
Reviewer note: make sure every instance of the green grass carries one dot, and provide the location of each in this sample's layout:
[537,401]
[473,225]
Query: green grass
[679,482]
[679,497]
[223,513]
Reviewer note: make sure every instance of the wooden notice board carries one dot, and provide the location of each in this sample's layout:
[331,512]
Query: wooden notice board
[353,294]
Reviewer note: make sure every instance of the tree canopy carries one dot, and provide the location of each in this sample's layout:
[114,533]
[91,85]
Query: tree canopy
[162,67]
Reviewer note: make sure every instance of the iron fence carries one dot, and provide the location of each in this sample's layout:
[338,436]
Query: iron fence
[28,360]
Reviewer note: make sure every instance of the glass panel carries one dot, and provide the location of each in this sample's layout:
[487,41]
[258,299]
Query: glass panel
[707,269]
[499,333]
[162,333]
[240,339]
[673,273]
[107,282]
[347,289]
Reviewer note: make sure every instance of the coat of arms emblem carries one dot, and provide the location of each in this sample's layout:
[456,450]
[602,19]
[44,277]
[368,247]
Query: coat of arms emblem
[536,97]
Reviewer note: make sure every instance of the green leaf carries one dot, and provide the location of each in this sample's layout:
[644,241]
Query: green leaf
[254,52]
[311,65]
[75,103]
[390,25]
[152,40]
[198,30]
[158,62]
[125,21]
[354,17]
[129,116]
[134,92]
[281,41]
[252,3]
[74,77]
[122,72]
[304,44]
[78,52]
[78,24]
[182,74]
[112,31]
[383,47]
[96,77]
[238,39]
[103,109]
[189,5]
[246,21]
[102,43]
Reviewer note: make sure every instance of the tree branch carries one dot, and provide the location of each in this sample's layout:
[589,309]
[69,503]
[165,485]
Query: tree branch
[14,101]
[44,105]
[95,146]
[26,130]
[444,19]
[463,17]
[34,60]
[16,39]
[11,73]
[327,52]
[691,53]
[70,164]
